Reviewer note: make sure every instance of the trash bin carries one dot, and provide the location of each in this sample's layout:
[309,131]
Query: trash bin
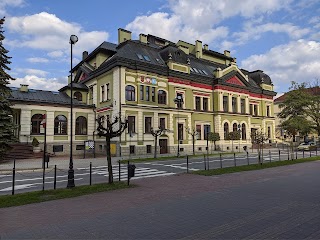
[131,170]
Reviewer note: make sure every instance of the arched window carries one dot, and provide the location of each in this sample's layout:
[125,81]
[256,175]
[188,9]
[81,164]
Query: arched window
[162,97]
[60,125]
[78,96]
[130,93]
[235,127]
[243,129]
[226,130]
[81,126]
[36,123]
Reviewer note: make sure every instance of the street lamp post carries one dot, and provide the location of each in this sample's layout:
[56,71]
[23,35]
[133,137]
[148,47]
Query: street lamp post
[178,100]
[239,130]
[73,40]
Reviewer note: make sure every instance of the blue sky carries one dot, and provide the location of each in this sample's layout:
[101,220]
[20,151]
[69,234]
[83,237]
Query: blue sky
[280,37]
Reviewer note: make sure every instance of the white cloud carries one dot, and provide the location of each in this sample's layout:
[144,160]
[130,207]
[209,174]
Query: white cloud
[35,82]
[55,54]
[9,3]
[37,60]
[296,61]
[51,33]
[32,71]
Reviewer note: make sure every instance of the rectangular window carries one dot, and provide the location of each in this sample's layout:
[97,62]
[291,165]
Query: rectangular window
[90,93]
[108,91]
[141,92]
[198,105]
[180,103]
[162,123]
[205,104]
[148,148]
[251,109]
[132,149]
[255,110]
[102,93]
[268,111]
[147,93]
[153,94]
[225,103]
[206,130]
[131,124]
[198,129]
[234,104]
[147,124]
[243,106]
[180,131]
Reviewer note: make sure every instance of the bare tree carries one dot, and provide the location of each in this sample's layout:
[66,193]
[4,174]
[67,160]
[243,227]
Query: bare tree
[109,131]
[259,138]
[156,134]
[193,132]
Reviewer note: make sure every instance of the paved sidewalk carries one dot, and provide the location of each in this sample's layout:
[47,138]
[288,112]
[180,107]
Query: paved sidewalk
[280,203]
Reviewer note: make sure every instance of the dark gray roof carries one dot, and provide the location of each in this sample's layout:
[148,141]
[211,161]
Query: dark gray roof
[79,86]
[260,77]
[44,97]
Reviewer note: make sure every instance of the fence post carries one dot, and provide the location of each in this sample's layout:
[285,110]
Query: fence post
[248,158]
[234,158]
[128,173]
[55,177]
[204,160]
[119,170]
[13,179]
[90,173]
[220,160]
[270,155]
[208,162]
[187,164]
[316,151]
[296,154]
[303,153]
[279,156]
[310,152]
[288,155]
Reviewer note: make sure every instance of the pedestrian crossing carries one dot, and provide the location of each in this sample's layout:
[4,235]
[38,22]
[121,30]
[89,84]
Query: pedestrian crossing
[140,172]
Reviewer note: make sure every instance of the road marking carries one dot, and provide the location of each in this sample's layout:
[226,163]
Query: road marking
[17,187]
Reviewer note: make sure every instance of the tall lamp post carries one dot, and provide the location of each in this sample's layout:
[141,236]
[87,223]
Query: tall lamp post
[239,131]
[178,100]
[73,40]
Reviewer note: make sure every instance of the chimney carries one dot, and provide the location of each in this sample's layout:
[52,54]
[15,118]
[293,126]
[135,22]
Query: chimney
[206,47]
[143,38]
[198,49]
[84,55]
[227,53]
[24,88]
[123,35]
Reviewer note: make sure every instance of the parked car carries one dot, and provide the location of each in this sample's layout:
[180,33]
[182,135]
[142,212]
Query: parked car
[307,146]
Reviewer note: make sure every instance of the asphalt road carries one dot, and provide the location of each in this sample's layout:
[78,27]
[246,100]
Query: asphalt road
[274,203]
[32,180]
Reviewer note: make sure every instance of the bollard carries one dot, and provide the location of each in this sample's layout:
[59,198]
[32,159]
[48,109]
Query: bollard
[204,160]
[119,171]
[55,177]
[234,159]
[270,155]
[90,173]
[220,160]
[279,156]
[248,158]
[187,164]
[13,179]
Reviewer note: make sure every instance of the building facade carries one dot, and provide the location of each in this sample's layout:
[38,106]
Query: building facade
[140,80]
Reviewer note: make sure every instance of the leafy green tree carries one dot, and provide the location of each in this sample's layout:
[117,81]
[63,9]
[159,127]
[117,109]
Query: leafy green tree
[193,132]
[6,125]
[258,138]
[213,137]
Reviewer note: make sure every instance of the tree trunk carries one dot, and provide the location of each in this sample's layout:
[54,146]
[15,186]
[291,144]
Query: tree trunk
[193,140]
[155,146]
[109,160]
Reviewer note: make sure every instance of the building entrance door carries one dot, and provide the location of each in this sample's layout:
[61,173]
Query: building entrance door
[163,143]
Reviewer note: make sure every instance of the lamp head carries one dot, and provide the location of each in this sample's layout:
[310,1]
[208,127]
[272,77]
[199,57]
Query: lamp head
[73,39]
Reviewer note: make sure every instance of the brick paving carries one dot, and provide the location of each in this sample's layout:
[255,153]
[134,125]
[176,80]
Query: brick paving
[278,203]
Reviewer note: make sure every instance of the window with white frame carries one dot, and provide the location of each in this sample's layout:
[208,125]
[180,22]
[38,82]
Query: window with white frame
[147,124]
[198,130]
[102,93]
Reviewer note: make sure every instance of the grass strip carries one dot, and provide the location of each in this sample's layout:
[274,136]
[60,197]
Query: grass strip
[251,167]
[49,195]
[151,159]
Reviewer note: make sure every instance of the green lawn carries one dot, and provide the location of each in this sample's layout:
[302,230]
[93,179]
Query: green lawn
[251,167]
[48,195]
